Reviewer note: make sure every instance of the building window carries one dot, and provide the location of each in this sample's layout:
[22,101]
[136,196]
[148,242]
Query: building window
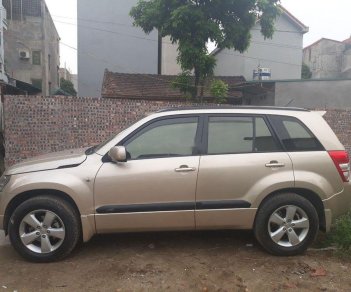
[36,57]
[38,83]
[49,61]
[31,7]
[17,9]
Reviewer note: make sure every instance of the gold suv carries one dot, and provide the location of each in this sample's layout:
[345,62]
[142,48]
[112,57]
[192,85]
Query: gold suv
[281,172]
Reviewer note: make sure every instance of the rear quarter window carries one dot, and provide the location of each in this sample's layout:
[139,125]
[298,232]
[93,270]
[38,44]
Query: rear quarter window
[294,135]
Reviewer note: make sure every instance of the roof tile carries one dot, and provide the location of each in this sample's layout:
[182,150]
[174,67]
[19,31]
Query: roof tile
[155,87]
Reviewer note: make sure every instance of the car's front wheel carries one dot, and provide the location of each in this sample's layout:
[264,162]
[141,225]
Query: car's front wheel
[44,229]
[286,224]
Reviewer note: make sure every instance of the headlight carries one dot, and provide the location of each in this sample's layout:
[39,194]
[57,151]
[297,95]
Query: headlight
[3,181]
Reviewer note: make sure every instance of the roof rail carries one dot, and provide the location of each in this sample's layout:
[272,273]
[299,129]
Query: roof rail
[233,107]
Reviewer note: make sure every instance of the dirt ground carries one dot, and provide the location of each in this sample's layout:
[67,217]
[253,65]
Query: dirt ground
[185,261]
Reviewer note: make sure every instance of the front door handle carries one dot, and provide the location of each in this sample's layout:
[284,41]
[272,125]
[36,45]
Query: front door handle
[185,168]
[274,164]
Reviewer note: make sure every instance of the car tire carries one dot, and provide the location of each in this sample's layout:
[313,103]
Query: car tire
[44,229]
[286,224]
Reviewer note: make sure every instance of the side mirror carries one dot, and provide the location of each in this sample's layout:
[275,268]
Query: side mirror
[118,154]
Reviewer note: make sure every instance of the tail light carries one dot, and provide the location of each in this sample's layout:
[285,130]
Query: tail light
[342,163]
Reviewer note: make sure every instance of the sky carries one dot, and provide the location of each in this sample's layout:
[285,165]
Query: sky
[325,18]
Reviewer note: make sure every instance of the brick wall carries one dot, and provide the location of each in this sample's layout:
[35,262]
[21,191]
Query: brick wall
[340,122]
[37,125]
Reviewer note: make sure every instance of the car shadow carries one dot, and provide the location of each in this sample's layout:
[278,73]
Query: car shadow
[186,241]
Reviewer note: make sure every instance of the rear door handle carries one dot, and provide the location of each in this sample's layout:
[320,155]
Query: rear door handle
[275,163]
[185,168]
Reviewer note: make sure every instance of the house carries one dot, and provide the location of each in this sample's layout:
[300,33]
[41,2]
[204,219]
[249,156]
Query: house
[158,87]
[32,45]
[108,39]
[280,57]
[329,59]
[65,74]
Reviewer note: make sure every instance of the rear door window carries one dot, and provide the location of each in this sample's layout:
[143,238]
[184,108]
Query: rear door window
[294,135]
[239,134]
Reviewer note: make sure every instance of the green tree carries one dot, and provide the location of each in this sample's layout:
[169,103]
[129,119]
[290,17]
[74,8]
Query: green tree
[306,72]
[192,23]
[67,86]
[184,84]
[219,89]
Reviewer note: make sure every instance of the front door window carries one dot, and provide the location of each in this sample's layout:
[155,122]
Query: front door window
[165,138]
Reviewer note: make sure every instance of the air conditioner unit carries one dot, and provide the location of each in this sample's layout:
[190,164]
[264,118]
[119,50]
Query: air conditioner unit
[24,55]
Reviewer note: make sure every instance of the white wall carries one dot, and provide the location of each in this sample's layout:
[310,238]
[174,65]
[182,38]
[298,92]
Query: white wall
[325,59]
[328,94]
[113,44]
[282,54]
[169,58]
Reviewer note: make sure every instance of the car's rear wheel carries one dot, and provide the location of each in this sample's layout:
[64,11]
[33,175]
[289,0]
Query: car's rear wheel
[286,224]
[44,229]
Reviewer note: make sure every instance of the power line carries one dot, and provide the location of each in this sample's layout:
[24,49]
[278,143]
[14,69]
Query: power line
[130,25]
[90,20]
[96,58]
[263,59]
[162,80]
[283,45]
[110,31]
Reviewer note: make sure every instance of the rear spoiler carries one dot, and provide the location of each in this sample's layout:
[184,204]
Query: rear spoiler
[321,113]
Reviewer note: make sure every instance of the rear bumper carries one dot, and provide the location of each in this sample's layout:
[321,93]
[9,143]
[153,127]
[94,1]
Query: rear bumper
[337,205]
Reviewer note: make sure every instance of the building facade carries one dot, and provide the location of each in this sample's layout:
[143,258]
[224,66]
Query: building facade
[108,39]
[328,58]
[280,57]
[32,44]
[3,27]
[65,74]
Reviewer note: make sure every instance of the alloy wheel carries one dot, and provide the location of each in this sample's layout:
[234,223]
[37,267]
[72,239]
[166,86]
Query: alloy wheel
[288,226]
[42,231]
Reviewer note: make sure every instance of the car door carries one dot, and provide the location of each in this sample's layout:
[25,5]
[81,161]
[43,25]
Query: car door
[243,161]
[155,189]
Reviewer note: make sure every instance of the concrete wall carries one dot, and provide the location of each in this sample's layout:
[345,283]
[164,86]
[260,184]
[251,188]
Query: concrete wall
[3,27]
[33,34]
[324,58]
[346,63]
[333,94]
[51,46]
[282,54]
[107,39]
[24,36]
[74,80]
[169,58]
